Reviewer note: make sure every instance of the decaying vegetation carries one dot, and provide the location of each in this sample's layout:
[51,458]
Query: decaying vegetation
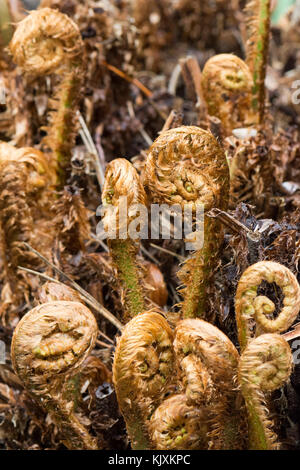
[126,343]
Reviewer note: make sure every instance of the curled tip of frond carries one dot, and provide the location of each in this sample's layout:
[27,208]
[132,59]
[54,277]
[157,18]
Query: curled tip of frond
[249,306]
[186,165]
[178,425]
[44,40]
[198,336]
[227,86]
[266,363]
[39,170]
[52,339]
[207,359]
[122,179]
[143,360]
[53,291]
[142,372]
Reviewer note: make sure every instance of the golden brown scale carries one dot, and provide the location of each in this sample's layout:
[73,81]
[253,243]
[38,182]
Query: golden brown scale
[227,87]
[154,279]
[49,346]
[186,166]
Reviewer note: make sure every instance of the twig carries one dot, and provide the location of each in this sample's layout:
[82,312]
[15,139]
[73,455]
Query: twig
[101,343]
[172,86]
[169,252]
[52,279]
[126,77]
[173,120]
[89,299]
[92,149]
[141,128]
[193,78]
[148,254]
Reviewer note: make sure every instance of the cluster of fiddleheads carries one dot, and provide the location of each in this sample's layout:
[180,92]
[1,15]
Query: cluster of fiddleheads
[204,408]
[181,389]
[266,359]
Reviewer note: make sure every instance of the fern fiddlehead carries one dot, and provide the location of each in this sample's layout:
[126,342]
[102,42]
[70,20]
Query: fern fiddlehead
[251,309]
[122,181]
[266,360]
[227,87]
[208,363]
[49,345]
[265,365]
[142,372]
[186,166]
[47,41]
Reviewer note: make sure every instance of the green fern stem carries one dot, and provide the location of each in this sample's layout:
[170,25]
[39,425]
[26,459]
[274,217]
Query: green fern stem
[261,57]
[62,128]
[123,253]
[197,272]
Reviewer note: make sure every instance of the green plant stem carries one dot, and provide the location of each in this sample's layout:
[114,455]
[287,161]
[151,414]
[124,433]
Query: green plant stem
[202,265]
[129,272]
[261,57]
[63,123]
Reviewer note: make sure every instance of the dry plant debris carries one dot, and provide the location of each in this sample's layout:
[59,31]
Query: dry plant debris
[119,344]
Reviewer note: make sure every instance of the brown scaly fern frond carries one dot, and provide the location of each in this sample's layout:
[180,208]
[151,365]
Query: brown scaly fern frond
[258,14]
[122,193]
[49,346]
[25,180]
[186,167]
[71,221]
[227,88]
[45,42]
